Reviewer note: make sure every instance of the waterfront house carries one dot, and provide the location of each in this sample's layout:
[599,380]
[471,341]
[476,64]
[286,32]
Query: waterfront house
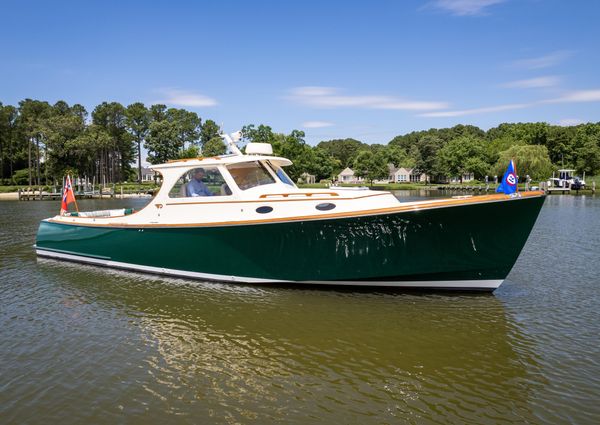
[466,177]
[347,176]
[407,175]
[147,174]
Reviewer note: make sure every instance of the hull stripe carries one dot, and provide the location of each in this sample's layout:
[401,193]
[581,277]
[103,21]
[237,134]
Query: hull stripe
[486,284]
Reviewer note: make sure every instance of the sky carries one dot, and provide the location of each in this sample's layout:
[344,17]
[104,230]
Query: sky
[364,69]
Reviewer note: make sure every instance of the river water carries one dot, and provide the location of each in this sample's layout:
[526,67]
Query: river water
[81,344]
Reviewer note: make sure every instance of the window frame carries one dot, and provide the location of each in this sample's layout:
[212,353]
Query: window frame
[273,168]
[264,165]
[219,168]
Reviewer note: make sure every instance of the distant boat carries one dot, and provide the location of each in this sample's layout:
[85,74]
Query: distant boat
[240,218]
[565,181]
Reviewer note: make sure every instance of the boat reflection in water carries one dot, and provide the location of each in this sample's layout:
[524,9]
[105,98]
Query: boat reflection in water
[237,353]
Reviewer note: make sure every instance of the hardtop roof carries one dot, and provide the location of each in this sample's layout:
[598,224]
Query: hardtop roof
[220,160]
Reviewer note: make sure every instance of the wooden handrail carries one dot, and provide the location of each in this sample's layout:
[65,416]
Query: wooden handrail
[285,195]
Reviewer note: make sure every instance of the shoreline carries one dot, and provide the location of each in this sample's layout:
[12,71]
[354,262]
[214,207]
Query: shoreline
[14,196]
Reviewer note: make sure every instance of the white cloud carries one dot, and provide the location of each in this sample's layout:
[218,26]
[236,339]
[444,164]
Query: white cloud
[546,61]
[566,122]
[314,91]
[578,96]
[186,98]
[330,97]
[317,124]
[464,7]
[473,111]
[538,82]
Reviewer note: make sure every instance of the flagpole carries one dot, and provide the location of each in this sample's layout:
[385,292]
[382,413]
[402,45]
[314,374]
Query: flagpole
[74,198]
[64,184]
[514,166]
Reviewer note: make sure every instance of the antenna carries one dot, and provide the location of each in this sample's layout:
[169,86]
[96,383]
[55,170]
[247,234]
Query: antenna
[231,140]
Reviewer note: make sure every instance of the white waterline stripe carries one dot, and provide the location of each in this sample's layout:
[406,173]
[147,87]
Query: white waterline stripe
[488,284]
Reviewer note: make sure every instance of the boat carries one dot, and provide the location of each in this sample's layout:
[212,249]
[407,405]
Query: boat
[565,182]
[240,218]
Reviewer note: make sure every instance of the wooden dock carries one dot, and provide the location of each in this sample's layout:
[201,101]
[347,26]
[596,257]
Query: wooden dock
[476,188]
[41,195]
[565,190]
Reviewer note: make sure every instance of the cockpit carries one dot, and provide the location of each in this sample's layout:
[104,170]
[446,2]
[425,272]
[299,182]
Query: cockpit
[225,179]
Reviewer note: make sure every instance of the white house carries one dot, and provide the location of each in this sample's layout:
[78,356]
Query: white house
[466,177]
[347,176]
[407,175]
[147,175]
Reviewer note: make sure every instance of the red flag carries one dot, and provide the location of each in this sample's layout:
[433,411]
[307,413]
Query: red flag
[68,196]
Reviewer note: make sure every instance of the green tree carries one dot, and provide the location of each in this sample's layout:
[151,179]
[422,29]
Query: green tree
[463,155]
[214,147]
[63,125]
[208,131]
[370,166]
[532,160]
[32,127]
[188,126]
[158,112]
[588,160]
[344,150]
[138,119]
[398,157]
[162,143]
[425,154]
[192,151]
[534,133]
[321,164]
[296,150]
[91,151]
[8,123]
[587,148]
[112,117]
[408,142]
[495,146]
[561,145]
[261,134]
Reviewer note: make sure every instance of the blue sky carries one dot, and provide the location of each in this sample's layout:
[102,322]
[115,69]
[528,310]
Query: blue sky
[368,70]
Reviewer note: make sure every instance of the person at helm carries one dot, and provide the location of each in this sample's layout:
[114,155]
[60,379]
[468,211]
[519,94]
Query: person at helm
[196,186]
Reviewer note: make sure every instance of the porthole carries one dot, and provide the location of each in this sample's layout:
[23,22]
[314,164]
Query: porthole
[325,207]
[264,210]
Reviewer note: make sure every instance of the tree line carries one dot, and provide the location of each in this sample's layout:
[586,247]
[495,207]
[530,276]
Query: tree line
[538,149]
[41,142]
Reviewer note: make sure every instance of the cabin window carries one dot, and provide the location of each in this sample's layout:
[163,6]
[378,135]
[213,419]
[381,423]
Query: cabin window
[282,175]
[250,174]
[200,182]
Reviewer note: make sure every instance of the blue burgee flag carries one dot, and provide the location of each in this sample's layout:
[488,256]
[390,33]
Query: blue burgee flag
[509,182]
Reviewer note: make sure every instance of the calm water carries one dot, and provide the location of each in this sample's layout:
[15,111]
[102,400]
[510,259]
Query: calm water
[86,345]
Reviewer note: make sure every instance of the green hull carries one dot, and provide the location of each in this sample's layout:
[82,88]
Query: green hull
[478,241]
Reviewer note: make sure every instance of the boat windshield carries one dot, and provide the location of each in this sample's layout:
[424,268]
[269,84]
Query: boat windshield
[281,174]
[250,174]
